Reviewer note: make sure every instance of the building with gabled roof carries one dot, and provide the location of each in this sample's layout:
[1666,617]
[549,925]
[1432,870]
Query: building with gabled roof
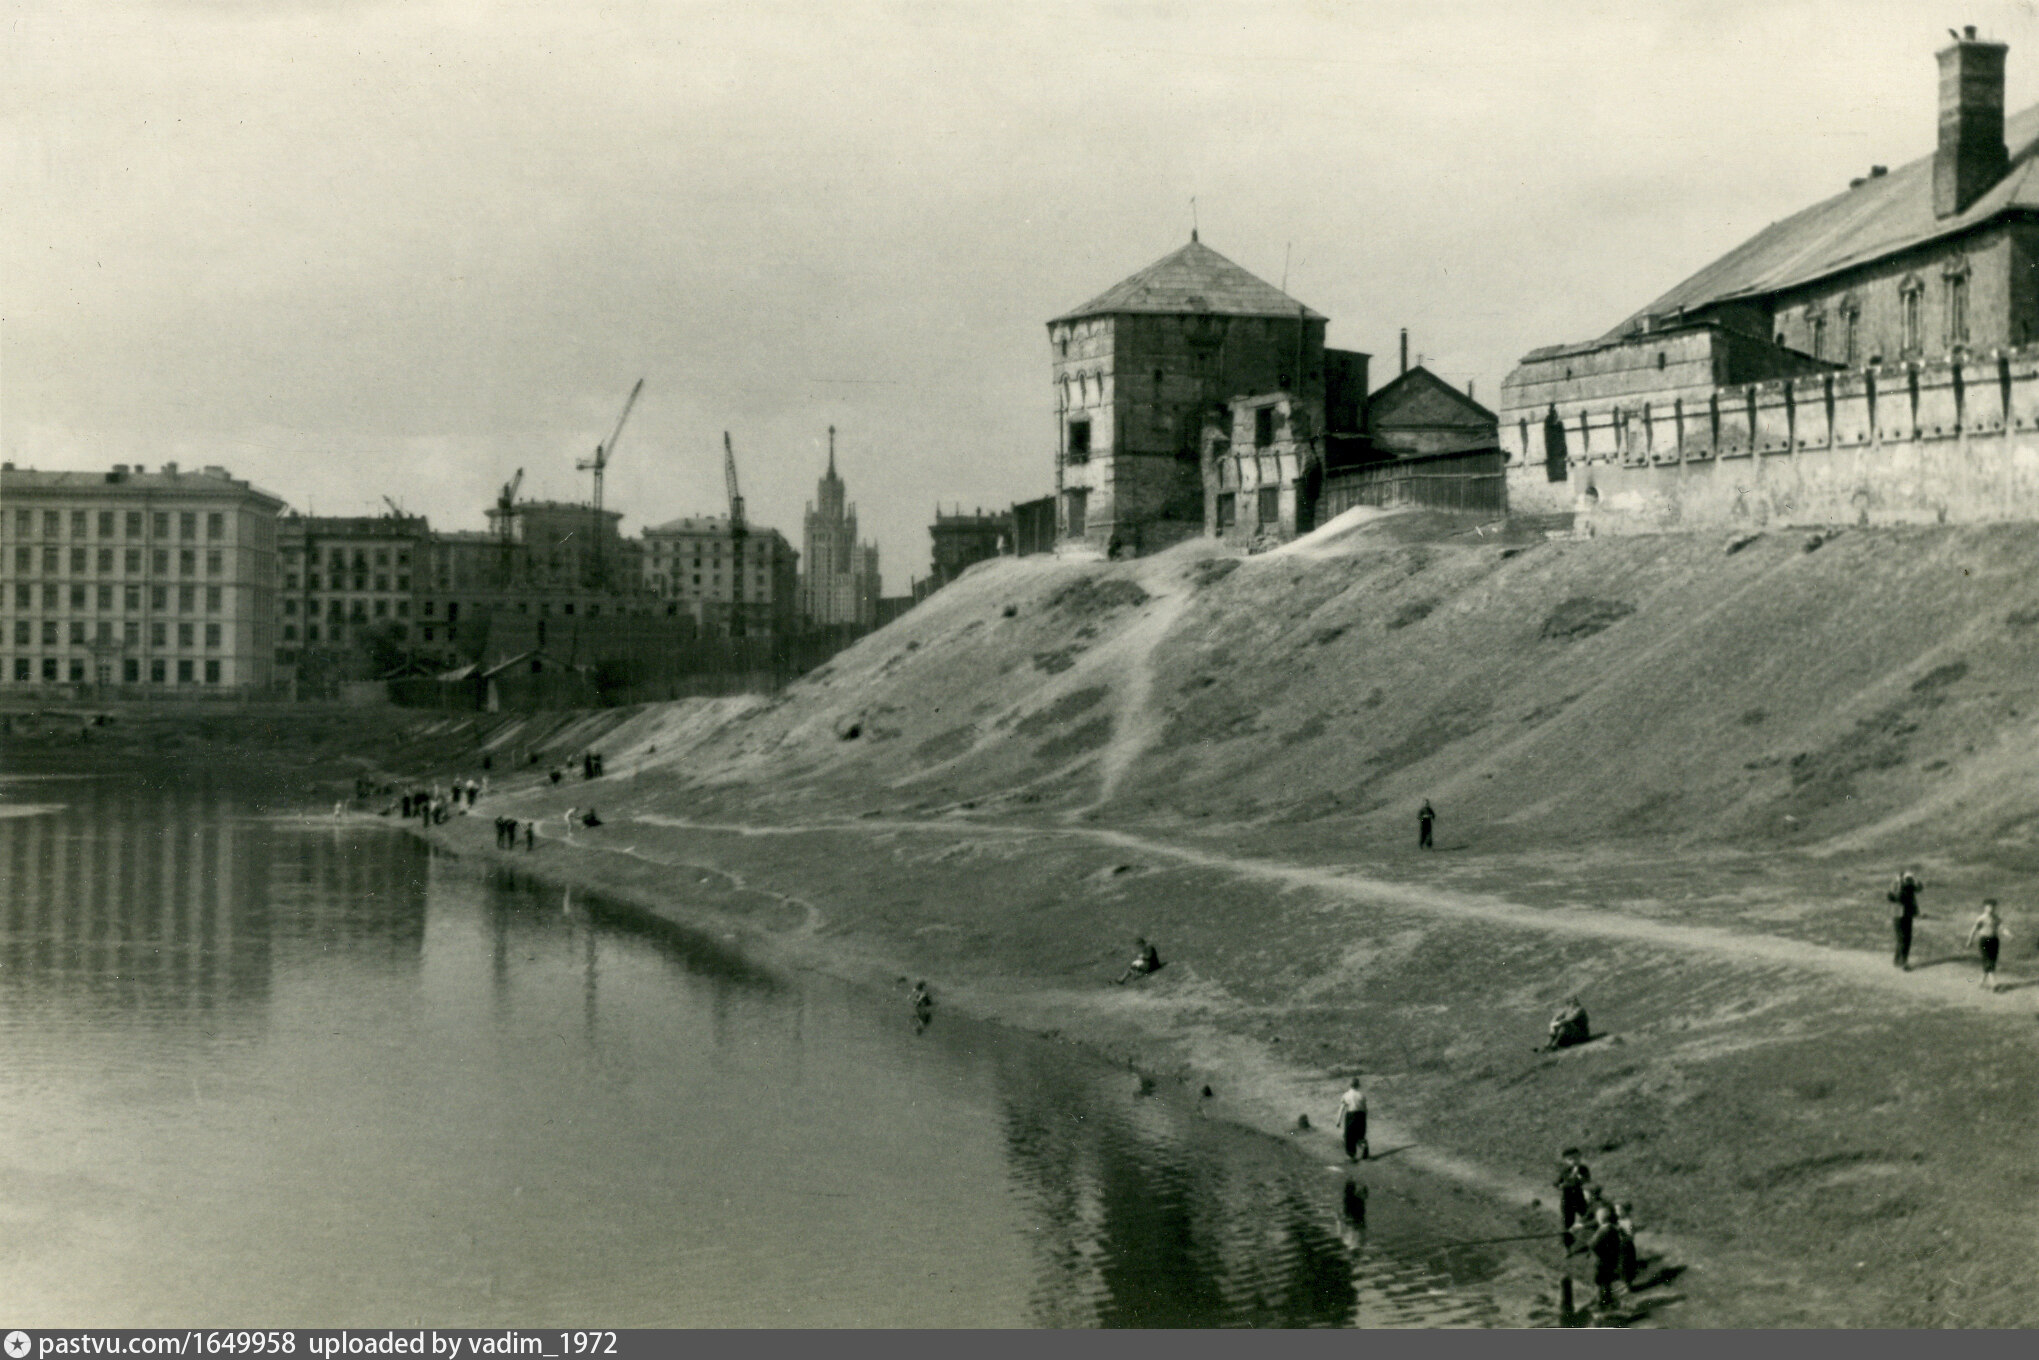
[1139,371]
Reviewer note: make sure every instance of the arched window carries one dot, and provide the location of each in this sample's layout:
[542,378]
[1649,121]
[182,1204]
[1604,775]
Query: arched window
[1910,314]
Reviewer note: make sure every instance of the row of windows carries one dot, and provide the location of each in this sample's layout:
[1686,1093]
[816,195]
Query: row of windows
[337,558]
[311,582]
[130,671]
[130,521]
[131,634]
[359,608]
[131,562]
[1267,503]
[85,597]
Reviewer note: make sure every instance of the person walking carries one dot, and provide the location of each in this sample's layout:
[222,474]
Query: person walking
[1904,898]
[1605,1244]
[1426,817]
[1988,933]
[1352,1115]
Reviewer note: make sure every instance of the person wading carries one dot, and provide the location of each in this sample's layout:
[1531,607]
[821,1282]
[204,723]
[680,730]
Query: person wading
[1352,1115]
[1904,898]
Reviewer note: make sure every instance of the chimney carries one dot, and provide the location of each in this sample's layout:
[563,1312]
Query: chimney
[1405,349]
[1971,157]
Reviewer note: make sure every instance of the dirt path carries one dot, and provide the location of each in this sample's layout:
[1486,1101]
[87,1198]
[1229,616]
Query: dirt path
[1953,988]
[1139,720]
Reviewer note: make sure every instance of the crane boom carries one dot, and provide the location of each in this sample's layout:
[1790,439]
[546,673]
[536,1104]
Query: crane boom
[737,533]
[729,480]
[600,462]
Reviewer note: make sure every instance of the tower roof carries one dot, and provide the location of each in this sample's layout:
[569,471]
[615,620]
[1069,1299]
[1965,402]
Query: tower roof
[1193,279]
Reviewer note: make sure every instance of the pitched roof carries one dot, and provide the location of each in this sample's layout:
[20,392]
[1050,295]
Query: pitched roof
[1421,399]
[1879,217]
[1193,279]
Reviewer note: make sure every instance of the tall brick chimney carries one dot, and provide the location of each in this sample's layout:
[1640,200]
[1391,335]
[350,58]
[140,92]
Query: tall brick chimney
[1971,157]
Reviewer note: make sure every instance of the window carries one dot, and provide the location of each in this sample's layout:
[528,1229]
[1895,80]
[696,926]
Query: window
[1079,440]
[382,557]
[212,635]
[77,632]
[212,564]
[52,523]
[1263,426]
[159,524]
[185,636]
[382,609]
[131,562]
[290,608]
[311,632]
[77,597]
[49,597]
[106,524]
[159,562]
[1817,345]
[1957,304]
[106,598]
[24,633]
[215,525]
[212,672]
[159,635]
[382,583]
[103,631]
[22,672]
[159,598]
[77,524]
[187,599]
[24,560]
[187,524]
[403,608]
[77,561]
[131,634]
[24,523]
[131,671]
[157,670]
[290,632]
[212,599]
[187,563]
[106,561]
[49,561]
[49,668]
[24,596]
[134,524]
[1227,510]
[183,672]
[1913,332]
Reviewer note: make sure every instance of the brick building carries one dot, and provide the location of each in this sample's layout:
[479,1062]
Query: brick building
[1151,374]
[1931,265]
[154,583]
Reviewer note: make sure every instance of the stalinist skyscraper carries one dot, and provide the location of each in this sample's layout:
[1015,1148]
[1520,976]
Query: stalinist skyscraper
[838,575]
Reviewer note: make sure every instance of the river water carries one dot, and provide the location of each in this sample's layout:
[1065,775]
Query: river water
[264,1069]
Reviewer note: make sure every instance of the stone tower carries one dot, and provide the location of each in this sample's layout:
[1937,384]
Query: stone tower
[1140,368]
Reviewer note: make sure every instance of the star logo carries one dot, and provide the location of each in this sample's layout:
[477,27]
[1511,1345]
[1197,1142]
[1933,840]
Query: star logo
[17,1345]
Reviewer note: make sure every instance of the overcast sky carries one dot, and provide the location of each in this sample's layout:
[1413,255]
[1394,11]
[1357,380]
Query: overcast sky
[357,249]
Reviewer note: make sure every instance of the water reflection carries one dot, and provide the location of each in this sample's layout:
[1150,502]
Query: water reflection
[469,1097]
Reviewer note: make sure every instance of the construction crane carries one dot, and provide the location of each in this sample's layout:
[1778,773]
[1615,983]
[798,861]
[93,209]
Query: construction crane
[599,464]
[737,533]
[506,504]
[394,509]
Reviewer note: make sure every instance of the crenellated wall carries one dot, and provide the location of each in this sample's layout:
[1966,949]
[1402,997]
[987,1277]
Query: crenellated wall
[1953,441]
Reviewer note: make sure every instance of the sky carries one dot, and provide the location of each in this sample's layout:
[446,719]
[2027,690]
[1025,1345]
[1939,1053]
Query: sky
[356,250]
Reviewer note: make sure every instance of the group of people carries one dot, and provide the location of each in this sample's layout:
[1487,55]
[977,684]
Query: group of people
[507,829]
[1596,1225]
[1986,935]
[590,763]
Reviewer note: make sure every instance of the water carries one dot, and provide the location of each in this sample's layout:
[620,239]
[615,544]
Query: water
[263,1070]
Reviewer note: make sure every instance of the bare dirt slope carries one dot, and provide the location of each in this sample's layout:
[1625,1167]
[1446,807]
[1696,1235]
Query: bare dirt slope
[1883,688]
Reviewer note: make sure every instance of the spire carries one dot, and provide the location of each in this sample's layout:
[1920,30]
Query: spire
[831,451]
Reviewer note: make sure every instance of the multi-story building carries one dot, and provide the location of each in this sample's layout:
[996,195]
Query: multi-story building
[695,564]
[1144,369]
[839,578]
[155,582]
[962,541]
[349,589]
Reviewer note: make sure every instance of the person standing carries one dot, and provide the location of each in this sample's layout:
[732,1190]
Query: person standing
[1605,1244]
[1352,1115]
[1571,1182]
[1426,816]
[1988,932]
[1904,898]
